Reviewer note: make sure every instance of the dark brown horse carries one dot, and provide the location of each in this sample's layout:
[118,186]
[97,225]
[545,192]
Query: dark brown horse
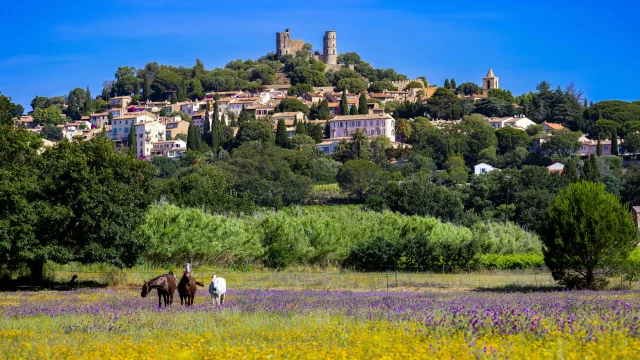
[166,286]
[187,288]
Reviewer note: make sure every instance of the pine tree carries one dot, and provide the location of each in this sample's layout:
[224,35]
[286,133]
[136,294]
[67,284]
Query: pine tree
[354,110]
[446,83]
[244,115]
[132,140]
[363,108]
[614,142]
[585,103]
[282,139]
[590,171]
[344,104]
[105,94]
[599,114]
[323,110]
[174,97]
[223,120]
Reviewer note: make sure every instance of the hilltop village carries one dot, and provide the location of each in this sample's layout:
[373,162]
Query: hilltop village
[325,96]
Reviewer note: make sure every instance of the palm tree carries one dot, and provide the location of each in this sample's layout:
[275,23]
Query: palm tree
[403,129]
[359,140]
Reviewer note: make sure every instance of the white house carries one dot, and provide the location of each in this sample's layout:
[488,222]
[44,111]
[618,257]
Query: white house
[192,108]
[147,134]
[556,167]
[515,122]
[170,148]
[483,168]
[121,126]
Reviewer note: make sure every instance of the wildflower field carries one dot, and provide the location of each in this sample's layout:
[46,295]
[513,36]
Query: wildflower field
[107,323]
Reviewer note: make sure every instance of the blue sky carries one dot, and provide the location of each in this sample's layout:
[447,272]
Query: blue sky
[51,47]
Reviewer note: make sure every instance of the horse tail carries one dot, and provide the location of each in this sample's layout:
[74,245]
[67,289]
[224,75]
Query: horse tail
[199,283]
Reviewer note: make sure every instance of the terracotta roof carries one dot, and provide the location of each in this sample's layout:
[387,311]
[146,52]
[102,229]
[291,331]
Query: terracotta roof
[555,126]
[381,95]
[288,113]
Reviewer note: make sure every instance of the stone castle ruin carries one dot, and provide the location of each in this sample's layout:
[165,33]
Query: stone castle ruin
[329,56]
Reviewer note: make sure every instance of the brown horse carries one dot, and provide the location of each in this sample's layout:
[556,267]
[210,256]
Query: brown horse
[187,288]
[166,286]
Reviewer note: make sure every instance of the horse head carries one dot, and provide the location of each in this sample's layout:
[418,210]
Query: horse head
[145,289]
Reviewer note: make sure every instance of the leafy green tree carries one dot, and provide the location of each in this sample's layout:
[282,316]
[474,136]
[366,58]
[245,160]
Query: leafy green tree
[502,94]
[357,176]
[254,131]
[380,147]
[50,115]
[181,94]
[561,142]
[344,104]
[510,138]
[381,86]
[40,102]
[353,85]
[588,235]
[193,138]
[57,210]
[51,132]
[320,111]
[444,104]
[195,89]
[363,108]
[282,139]
[299,89]
[494,107]
[630,188]
[468,89]
[631,143]
[301,129]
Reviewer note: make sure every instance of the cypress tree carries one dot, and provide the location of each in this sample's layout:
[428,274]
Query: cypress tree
[446,83]
[174,97]
[132,151]
[206,135]
[585,103]
[570,172]
[182,91]
[452,84]
[301,129]
[244,115]
[599,148]
[282,139]
[591,172]
[344,104]
[193,138]
[146,87]
[599,114]
[105,94]
[110,117]
[327,130]
[87,102]
[363,109]
[614,142]
[323,110]
[354,110]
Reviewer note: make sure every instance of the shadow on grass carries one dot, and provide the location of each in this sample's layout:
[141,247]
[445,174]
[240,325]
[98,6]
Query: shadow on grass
[25,284]
[515,288]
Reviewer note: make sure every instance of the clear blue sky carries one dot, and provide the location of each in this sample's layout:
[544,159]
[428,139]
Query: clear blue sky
[51,47]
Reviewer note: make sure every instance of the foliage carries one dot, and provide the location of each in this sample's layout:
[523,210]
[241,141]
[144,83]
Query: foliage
[47,116]
[588,234]
[561,142]
[51,132]
[468,89]
[254,131]
[291,105]
[356,176]
[282,139]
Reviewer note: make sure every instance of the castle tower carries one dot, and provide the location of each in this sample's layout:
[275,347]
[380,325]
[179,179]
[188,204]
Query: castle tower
[282,40]
[489,82]
[329,49]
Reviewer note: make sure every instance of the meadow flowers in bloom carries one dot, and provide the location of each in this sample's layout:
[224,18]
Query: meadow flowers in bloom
[311,324]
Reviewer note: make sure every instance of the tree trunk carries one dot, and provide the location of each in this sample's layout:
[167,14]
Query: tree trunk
[589,279]
[36,268]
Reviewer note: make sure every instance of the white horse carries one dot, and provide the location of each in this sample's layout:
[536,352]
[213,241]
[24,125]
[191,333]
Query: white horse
[217,290]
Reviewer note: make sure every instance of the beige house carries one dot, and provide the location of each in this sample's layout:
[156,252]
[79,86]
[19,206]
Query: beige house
[288,117]
[119,102]
[176,127]
[147,134]
[99,120]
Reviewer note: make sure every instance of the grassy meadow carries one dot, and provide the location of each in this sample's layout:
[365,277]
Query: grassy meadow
[305,324]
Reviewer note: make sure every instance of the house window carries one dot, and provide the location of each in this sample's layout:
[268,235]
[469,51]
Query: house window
[126,130]
[340,124]
[140,143]
[358,124]
[370,132]
[325,149]
[378,132]
[346,133]
[606,147]
[595,148]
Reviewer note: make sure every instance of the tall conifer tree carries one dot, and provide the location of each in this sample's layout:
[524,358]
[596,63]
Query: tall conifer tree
[363,108]
[614,142]
[132,151]
[344,104]
[282,139]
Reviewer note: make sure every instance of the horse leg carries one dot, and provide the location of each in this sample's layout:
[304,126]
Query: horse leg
[159,299]
[222,299]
